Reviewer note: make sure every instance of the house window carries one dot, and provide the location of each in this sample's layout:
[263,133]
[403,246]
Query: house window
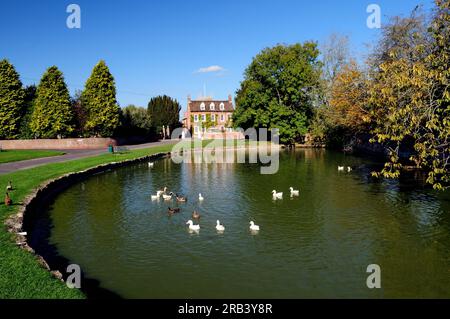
[212,106]
[230,117]
[222,106]
[195,129]
[202,106]
[222,118]
[196,118]
[203,118]
[213,117]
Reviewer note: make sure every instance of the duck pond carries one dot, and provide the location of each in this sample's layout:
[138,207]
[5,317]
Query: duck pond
[316,245]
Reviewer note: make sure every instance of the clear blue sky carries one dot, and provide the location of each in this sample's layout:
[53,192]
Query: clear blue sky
[154,47]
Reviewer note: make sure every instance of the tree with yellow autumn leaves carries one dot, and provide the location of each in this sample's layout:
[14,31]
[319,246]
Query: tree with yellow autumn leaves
[401,95]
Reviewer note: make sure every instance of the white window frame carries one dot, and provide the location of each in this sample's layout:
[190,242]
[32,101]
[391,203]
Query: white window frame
[212,107]
[202,106]
[222,106]
[203,117]
[213,117]
[195,118]
[222,118]
[195,129]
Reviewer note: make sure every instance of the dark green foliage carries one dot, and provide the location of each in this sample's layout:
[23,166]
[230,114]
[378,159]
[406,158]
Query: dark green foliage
[11,101]
[80,114]
[279,89]
[136,121]
[27,111]
[164,110]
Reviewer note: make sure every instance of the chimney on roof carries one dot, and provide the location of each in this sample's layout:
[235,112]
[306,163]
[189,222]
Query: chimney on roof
[230,98]
[189,98]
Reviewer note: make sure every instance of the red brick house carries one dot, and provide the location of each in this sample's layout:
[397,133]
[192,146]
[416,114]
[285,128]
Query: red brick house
[199,112]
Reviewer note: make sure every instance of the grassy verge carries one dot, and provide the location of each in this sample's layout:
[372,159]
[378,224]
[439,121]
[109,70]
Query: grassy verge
[20,274]
[22,155]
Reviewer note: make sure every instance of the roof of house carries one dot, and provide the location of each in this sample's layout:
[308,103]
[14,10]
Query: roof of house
[194,106]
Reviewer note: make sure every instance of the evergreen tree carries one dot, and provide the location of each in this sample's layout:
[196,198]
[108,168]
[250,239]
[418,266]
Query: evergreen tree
[27,112]
[52,115]
[99,101]
[164,110]
[11,100]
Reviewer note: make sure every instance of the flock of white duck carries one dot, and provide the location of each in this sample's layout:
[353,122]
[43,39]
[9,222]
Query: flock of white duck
[195,215]
[219,227]
[169,196]
[279,195]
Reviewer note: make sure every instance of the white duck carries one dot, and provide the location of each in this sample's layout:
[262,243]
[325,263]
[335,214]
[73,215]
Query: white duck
[276,195]
[160,192]
[192,226]
[253,226]
[167,197]
[349,169]
[341,168]
[219,227]
[150,164]
[155,197]
[9,186]
[294,192]
[200,197]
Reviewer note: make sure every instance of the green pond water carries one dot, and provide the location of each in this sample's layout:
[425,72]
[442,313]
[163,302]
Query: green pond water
[315,246]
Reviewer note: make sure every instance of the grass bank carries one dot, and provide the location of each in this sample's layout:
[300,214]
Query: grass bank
[7,156]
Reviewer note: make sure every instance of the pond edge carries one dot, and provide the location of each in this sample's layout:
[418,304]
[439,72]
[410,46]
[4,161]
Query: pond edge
[23,219]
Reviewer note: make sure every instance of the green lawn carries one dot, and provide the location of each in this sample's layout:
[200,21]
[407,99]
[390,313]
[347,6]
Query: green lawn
[7,156]
[20,274]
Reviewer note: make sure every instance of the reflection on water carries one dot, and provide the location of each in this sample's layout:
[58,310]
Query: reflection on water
[316,245]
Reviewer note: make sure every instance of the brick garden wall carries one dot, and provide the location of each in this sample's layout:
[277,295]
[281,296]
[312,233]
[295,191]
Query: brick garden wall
[58,144]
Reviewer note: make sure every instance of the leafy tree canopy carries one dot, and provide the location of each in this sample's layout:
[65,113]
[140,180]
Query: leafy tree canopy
[279,89]
[136,121]
[410,98]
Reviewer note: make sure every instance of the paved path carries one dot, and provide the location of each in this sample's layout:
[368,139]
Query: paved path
[70,155]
